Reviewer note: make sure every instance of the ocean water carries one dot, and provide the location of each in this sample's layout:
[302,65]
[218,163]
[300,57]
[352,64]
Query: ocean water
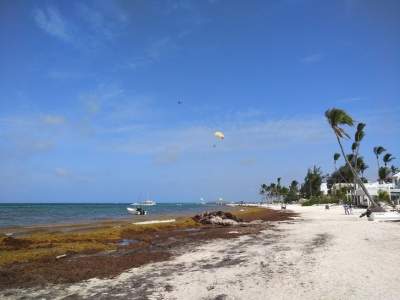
[12,215]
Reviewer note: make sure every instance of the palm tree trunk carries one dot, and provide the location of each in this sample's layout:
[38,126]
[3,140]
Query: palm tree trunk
[355,174]
[356,169]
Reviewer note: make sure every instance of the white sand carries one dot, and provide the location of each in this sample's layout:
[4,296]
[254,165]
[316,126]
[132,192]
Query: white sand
[322,255]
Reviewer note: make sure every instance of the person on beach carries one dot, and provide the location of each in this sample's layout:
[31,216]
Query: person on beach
[350,209]
[346,209]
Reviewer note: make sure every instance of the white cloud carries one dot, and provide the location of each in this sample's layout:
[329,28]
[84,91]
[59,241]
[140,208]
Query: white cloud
[313,58]
[50,20]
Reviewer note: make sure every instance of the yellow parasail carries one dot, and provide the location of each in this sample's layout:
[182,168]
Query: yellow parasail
[219,135]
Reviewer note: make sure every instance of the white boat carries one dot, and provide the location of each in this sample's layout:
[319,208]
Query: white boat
[136,211]
[384,216]
[145,203]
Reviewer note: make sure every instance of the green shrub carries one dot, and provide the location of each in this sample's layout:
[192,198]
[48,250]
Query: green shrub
[320,200]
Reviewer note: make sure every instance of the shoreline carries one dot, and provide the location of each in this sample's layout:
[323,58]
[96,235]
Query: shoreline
[93,223]
[82,225]
[320,254]
[109,250]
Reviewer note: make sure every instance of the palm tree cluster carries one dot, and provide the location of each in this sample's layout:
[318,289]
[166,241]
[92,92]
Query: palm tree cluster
[312,183]
[277,192]
[384,173]
[353,170]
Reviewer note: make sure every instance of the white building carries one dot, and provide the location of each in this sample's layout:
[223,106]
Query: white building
[324,188]
[373,188]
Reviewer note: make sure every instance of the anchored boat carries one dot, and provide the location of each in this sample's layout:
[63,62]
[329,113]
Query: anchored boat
[137,211]
[145,203]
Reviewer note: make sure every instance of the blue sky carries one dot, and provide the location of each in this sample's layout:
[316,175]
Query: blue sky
[89,92]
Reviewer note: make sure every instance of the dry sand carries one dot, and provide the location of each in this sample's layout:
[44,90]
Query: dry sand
[321,255]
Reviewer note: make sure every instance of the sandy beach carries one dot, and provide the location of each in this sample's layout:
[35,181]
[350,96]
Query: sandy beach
[322,254]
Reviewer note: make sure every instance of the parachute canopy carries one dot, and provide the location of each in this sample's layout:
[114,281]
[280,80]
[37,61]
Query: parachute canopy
[219,135]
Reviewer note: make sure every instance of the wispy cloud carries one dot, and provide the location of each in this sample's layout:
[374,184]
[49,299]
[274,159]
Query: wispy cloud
[90,27]
[167,145]
[160,46]
[313,58]
[109,109]
[29,135]
[106,23]
[52,22]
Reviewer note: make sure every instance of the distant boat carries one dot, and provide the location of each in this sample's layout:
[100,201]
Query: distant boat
[145,203]
[136,211]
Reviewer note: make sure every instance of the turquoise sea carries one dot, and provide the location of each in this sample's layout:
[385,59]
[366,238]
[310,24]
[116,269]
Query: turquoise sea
[35,214]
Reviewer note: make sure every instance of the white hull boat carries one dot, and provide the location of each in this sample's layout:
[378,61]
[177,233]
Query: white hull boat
[136,211]
[384,216]
[146,203]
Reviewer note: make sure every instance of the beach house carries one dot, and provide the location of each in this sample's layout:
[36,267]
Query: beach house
[373,188]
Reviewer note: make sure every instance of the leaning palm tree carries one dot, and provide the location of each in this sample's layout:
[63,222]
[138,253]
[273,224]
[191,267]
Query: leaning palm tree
[336,118]
[378,150]
[388,158]
[336,156]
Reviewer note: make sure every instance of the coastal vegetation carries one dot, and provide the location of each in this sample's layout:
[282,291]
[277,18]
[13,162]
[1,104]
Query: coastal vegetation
[312,183]
[343,182]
